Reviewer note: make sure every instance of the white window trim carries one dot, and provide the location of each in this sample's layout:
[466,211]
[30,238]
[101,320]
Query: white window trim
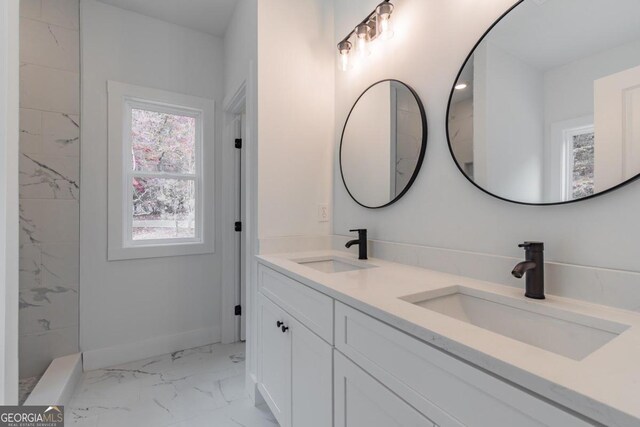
[555,170]
[121,98]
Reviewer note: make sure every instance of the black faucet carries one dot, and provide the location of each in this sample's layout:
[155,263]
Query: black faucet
[533,267]
[361,241]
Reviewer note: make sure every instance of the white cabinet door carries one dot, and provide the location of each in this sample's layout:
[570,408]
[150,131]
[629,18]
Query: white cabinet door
[361,401]
[311,374]
[294,369]
[274,359]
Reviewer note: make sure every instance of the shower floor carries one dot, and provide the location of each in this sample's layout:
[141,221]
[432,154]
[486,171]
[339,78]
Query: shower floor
[26,387]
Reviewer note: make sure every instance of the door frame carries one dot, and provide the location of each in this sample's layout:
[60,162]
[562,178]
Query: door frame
[9,224]
[238,103]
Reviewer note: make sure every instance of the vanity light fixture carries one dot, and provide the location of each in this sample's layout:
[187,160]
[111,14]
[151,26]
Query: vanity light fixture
[376,25]
[462,86]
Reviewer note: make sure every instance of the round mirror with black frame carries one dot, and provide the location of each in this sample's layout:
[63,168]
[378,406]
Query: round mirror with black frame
[383,144]
[546,108]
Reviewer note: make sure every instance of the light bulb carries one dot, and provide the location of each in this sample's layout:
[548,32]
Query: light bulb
[344,47]
[363,32]
[461,86]
[344,61]
[385,26]
[363,49]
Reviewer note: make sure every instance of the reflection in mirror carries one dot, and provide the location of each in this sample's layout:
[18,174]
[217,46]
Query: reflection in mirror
[546,109]
[383,144]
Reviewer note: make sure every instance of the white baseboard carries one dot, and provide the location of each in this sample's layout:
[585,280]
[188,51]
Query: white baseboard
[124,353]
[251,385]
[58,383]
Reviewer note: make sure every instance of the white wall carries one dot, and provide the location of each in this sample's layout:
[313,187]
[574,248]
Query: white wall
[295,122]
[141,307]
[9,64]
[509,146]
[295,115]
[240,45]
[442,209]
[366,152]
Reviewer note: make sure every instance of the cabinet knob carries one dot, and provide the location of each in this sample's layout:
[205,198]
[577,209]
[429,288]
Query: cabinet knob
[279,323]
[284,329]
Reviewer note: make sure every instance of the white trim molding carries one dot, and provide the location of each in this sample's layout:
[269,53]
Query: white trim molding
[58,383]
[9,137]
[555,173]
[122,99]
[250,237]
[232,106]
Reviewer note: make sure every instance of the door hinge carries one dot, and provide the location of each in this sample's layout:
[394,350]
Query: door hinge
[238,226]
[238,310]
[238,143]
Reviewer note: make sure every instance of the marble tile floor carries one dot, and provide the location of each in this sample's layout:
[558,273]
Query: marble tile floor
[200,387]
[26,387]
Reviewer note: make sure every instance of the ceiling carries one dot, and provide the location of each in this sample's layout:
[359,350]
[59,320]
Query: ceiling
[209,16]
[551,33]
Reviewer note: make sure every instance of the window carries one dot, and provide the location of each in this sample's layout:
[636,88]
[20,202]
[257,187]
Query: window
[579,162]
[163,173]
[159,173]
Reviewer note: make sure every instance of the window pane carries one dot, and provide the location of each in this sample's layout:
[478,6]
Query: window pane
[163,208]
[583,165]
[162,142]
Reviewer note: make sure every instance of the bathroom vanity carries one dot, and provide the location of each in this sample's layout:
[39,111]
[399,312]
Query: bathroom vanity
[345,342]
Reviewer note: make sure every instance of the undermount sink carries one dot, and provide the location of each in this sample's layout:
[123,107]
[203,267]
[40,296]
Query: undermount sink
[333,264]
[562,332]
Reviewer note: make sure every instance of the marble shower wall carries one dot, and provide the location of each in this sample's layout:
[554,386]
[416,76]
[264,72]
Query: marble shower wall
[49,181]
[409,137]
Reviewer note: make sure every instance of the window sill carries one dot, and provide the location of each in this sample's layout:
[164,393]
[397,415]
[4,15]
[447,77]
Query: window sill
[159,251]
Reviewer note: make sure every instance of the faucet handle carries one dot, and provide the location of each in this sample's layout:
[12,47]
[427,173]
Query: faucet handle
[358,230]
[536,246]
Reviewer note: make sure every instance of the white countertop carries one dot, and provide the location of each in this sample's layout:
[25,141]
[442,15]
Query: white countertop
[604,386]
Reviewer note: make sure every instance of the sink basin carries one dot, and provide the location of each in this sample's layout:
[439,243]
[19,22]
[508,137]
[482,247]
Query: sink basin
[562,332]
[333,264]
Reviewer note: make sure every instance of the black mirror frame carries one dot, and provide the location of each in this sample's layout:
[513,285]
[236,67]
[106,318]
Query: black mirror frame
[455,160]
[423,147]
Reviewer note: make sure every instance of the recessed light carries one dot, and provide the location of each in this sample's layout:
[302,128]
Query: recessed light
[461,86]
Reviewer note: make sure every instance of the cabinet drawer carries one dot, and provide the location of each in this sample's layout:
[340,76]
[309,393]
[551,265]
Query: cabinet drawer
[311,308]
[361,401]
[446,390]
